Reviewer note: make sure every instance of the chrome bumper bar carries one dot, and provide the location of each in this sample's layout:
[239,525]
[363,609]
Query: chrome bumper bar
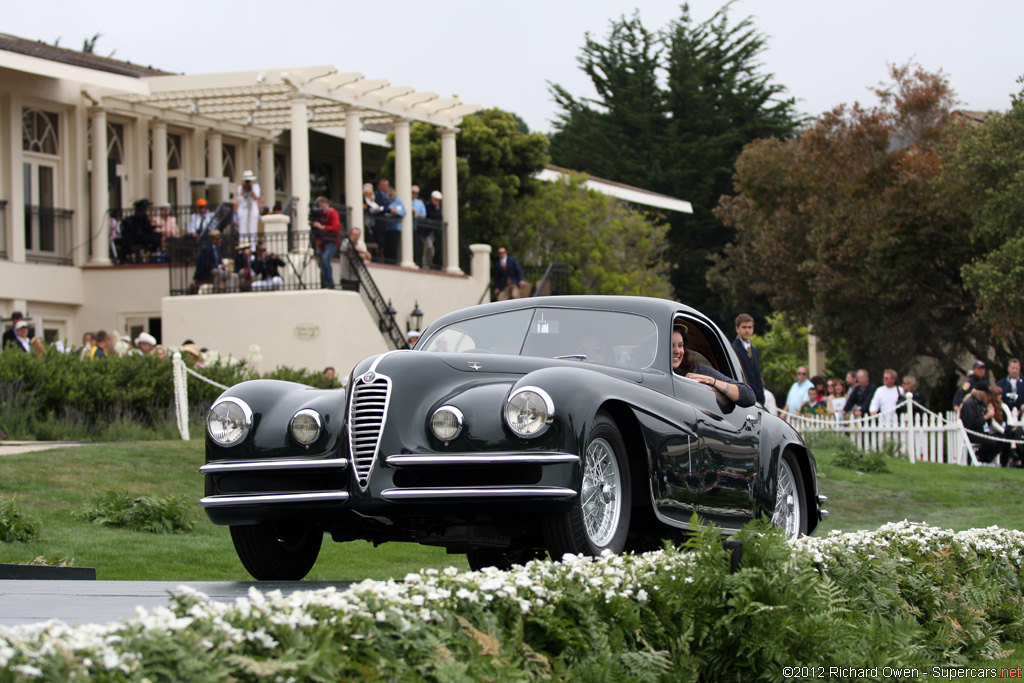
[479,492]
[282,464]
[427,459]
[273,498]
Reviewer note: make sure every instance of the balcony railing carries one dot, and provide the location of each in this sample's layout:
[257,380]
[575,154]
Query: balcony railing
[292,257]
[3,228]
[383,238]
[48,237]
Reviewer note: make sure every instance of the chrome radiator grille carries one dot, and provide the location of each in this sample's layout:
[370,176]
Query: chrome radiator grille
[367,414]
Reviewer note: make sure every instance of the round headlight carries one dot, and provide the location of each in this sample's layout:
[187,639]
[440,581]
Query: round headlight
[446,423]
[229,421]
[306,426]
[529,411]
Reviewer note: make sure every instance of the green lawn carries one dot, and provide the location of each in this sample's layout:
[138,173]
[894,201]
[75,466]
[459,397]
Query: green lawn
[53,485]
[947,496]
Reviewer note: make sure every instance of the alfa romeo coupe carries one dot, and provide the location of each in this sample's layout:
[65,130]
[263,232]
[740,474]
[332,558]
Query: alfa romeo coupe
[513,429]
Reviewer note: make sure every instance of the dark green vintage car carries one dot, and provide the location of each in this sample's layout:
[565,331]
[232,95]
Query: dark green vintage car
[512,429]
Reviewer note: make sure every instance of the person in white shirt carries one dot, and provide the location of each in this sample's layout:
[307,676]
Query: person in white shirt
[797,395]
[886,397]
[249,203]
[200,222]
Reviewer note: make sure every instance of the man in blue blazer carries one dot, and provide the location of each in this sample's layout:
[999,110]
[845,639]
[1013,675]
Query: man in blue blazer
[508,274]
[750,359]
[1013,386]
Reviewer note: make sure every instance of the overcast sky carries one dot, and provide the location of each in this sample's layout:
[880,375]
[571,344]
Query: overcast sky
[504,53]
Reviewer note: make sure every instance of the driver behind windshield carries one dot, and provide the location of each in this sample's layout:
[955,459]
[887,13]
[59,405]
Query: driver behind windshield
[593,346]
[684,363]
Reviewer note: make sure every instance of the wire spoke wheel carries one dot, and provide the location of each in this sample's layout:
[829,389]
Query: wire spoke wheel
[601,494]
[600,519]
[790,512]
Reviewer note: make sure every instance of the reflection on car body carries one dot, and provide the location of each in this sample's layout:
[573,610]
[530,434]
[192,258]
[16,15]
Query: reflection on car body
[513,429]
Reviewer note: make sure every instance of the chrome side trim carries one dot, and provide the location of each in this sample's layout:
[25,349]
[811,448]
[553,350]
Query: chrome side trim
[257,465]
[272,498]
[408,460]
[478,492]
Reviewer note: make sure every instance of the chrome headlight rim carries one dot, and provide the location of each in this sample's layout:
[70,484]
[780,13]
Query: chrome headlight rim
[460,422]
[246,421]
[549,407]
[317,420]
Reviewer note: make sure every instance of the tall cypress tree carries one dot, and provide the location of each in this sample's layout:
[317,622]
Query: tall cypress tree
[674,109]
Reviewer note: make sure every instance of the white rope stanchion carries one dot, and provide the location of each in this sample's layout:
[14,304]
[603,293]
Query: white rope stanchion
[180,372]
[178,369]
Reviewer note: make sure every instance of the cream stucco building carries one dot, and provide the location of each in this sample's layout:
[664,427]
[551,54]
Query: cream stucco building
[82,136]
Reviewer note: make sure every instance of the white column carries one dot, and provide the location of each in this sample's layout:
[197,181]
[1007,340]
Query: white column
[403,187]
[300,161]
[15,180]
[100,196]
[267,173]
[215,157]
[450,203]
[354,168]
[159,178]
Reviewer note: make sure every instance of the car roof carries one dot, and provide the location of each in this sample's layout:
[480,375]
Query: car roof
[659,310]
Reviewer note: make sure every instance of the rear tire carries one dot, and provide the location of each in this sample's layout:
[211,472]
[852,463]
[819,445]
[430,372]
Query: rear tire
[277,551]
[791,511]
[600,519]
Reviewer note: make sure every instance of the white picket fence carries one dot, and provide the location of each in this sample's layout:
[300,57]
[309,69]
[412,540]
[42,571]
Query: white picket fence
[921,434]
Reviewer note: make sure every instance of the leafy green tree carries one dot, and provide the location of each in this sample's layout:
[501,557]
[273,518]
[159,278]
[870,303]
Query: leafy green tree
[674,109]
[845,228]
[497,160]
[783,348]
[609,247]
[984,171]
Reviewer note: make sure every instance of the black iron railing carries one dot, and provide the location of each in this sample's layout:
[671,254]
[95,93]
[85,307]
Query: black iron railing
[3,228]
[48,237]
[384,312]
[383,237]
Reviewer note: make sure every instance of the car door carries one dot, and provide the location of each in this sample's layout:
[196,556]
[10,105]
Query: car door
[724,458]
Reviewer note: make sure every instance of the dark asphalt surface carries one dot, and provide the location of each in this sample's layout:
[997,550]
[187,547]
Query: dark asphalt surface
[100,602]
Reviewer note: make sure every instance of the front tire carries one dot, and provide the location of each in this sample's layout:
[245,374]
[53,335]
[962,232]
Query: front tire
[277,551]
[791,511]
[600,519]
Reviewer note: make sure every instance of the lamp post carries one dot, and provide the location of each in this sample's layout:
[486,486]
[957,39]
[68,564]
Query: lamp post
[415,321]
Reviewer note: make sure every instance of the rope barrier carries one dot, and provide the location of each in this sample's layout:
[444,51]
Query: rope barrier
[179,373]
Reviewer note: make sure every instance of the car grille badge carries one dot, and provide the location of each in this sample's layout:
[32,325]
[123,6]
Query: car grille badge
[369,377]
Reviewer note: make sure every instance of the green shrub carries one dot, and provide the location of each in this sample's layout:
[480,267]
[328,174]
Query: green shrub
[15,526]
[61,398]
[157,515]
[853,458]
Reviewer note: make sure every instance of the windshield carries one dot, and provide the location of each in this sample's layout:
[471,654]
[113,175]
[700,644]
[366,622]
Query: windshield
[605,337]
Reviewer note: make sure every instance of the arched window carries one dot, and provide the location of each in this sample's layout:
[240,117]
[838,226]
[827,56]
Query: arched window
[40,131]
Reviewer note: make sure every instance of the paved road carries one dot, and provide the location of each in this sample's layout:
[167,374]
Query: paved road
[99,602]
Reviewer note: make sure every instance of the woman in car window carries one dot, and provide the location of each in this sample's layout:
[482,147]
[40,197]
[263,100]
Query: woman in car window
[684,363]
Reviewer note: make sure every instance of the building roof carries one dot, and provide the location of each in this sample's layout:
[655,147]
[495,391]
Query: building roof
[88,60]
[627,193]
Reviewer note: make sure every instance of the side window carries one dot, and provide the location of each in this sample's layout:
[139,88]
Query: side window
[707,345]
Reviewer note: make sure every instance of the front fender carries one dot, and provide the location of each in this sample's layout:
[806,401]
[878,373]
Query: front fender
[273,403]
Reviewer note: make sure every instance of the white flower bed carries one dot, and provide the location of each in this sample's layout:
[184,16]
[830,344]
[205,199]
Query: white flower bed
[259,621]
